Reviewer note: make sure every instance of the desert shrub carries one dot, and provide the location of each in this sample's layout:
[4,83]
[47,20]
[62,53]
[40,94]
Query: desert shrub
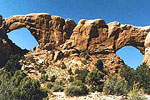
[7,91]
[57,88]
[70,71]
[42,71]
[135,94]
[63,66]
[71,79]
[94,80]
[76,88]
[29,89]
[53,78]
[142,76]
[14,85]
[99,65]
[115,86]
[129,75]
[19,87]
[61,82]
[81,74]
[44,78]
[18,76]
[5,76]
[49,85]
[13,63]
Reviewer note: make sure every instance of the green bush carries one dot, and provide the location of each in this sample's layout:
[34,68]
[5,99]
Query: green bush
[142,76]
[63,66]
[18,76]
[99,65]
[6,76]
[76,88]
[7,91]
[70,71]
[81,74]
[44,78]
[49,85]
[71,79]
[53,78]
[42,71]
[29,89]
[57,88]
[115,86]
[19,87]
[94,80]
[13,63]
[129,75]
[135,95]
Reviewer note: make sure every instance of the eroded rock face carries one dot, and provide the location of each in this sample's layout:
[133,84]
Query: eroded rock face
[7,48]
[49,31]
[104,40]
[57,35]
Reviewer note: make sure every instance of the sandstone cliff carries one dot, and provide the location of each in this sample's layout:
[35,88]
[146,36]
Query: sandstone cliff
[63,40]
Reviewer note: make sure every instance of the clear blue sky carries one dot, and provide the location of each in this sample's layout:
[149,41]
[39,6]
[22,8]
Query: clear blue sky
[135,12]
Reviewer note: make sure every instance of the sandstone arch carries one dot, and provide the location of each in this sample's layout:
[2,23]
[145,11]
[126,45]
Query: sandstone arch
[100,39]
[49,31]
[104,40]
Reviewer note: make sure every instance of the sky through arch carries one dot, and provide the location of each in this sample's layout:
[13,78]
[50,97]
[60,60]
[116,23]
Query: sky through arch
[131,56]
[23,38]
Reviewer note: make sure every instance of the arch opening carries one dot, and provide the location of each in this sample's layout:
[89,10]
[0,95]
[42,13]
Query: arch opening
[131,56]
[23,38]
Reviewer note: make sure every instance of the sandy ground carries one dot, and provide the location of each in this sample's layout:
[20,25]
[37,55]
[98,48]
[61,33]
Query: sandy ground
[91,96]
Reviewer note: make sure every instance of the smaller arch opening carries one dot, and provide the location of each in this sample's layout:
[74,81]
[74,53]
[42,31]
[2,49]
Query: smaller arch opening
[131,56]
[23,38]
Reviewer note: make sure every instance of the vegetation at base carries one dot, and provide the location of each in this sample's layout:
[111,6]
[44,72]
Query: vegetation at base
[15,85]
[128,73]
[49,85]
[135,94]
[57,88]
[13,63]
[70,71]
[115,86]
[44,78]
[99,65]
[81,74]
[141,75]
[71,79]
[76,88]
[63,66]
[53,78]
[7,91]
[94,80]
[29,89]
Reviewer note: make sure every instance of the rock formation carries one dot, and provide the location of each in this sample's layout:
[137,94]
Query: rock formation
[63,38]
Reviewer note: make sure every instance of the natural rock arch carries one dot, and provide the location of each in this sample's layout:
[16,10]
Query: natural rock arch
[49,31]
[102,40]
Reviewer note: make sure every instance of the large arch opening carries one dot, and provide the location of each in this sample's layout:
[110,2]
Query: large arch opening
[23,38]
[131,56]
